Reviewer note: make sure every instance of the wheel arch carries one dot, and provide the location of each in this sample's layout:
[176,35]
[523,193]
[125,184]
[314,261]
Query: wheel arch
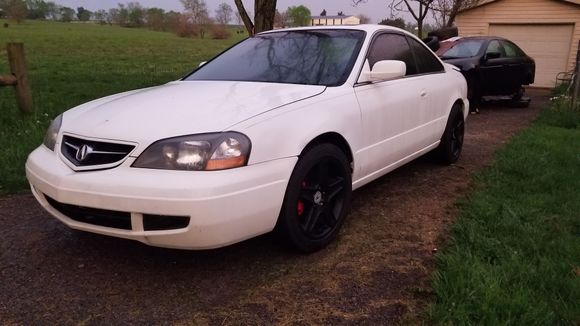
[461,105]
[332,138]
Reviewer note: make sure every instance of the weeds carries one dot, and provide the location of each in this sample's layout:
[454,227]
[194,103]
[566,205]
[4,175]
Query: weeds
[514,251]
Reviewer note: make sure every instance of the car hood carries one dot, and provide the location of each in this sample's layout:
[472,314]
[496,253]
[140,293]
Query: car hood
[180,108]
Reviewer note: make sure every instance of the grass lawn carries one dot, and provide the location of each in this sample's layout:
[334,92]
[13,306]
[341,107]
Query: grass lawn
[70,64]
[514,251]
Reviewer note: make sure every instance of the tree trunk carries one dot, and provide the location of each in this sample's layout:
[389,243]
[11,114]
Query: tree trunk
[420,21]
[245,18]
[454,10]
[265,13]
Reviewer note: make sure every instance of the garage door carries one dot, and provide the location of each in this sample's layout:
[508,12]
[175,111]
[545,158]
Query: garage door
[549,45]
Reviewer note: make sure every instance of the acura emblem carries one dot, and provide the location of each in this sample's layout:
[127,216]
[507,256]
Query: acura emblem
[83,152]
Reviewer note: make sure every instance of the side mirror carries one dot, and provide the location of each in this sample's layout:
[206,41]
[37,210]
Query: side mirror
[202,63]
[386,70]
[492,55]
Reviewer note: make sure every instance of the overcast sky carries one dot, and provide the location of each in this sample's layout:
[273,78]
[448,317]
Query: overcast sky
[376,9]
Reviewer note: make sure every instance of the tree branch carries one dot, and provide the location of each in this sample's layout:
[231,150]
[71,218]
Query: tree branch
[417,18]
[245,17]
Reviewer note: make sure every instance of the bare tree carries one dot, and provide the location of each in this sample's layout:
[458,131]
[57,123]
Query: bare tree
[417,8]
[223,13]
[238,18]
[15,10]
[196,10]
[265,11]
[445,11]
[196,13]
[281,19]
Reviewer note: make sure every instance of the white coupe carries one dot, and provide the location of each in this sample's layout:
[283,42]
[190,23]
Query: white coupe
[272,134]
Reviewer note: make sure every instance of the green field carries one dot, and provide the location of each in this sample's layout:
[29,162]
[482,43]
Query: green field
[514,256]
[73,63]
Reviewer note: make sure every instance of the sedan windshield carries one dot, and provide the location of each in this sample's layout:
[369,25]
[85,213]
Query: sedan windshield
[463,49]
[312,57]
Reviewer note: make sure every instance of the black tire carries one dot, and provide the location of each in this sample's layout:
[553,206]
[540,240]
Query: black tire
[517,95]
[317,199]
[473,92]
[451,144]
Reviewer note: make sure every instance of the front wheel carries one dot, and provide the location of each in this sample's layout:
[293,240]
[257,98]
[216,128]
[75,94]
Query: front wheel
[451,143]
[317,199]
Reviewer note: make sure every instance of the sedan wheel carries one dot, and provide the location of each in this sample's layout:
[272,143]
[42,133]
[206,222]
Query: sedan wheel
[317,198]
[451,144]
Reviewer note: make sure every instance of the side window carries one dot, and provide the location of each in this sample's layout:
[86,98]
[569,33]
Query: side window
[512,50]
[426,61]
[494,46]
[392,47]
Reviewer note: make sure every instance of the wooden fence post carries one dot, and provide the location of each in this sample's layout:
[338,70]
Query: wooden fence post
[18,68]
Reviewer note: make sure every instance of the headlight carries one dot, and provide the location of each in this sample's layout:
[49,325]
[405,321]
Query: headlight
[218,151]
[52,133]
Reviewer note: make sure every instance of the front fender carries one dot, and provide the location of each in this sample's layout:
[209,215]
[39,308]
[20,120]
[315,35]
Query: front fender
[286,131]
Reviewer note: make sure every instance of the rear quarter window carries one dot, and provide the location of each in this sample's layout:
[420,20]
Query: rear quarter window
[426,61]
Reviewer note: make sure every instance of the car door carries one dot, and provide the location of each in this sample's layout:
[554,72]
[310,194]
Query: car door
[434,101]
[518,65]
[494,70]
[390,109]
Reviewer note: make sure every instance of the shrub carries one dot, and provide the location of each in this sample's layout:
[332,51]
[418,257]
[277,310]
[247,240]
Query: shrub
[186,28]
[220,32]
[562,113]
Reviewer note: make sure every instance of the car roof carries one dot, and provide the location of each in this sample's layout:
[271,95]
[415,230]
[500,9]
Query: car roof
[369,28]
[465,38]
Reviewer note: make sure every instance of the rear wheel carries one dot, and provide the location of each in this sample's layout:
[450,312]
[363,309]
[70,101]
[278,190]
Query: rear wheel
[451,144]
[518,94]
[317,199]
[518,100]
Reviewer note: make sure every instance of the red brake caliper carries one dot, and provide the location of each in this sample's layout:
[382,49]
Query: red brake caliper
[300,208]
[300,203]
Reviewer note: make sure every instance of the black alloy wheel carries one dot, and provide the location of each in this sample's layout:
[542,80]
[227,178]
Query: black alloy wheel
[451,144]
[317,198]
[457,134]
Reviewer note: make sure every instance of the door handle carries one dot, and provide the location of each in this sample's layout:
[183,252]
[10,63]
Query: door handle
[423,93]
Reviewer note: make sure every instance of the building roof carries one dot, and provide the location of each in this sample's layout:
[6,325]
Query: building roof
[331,17]
[485,2]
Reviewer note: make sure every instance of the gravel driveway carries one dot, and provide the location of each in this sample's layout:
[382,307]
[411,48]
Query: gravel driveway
[377,273]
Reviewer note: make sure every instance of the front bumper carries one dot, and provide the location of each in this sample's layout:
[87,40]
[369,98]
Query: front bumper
[223,207]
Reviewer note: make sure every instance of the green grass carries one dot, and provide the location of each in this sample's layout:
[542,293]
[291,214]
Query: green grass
[514,251]
[70,64]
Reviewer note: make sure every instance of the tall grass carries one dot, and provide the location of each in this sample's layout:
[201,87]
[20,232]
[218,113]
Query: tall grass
[514,251]
[70,64]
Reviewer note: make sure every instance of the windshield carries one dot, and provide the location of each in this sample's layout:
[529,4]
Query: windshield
[313,57]
[462,49]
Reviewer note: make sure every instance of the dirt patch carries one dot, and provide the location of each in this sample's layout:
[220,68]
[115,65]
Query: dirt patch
[377,273]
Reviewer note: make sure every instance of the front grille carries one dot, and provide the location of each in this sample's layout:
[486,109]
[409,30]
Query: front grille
[95,216]
[82,152]
[117,219]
